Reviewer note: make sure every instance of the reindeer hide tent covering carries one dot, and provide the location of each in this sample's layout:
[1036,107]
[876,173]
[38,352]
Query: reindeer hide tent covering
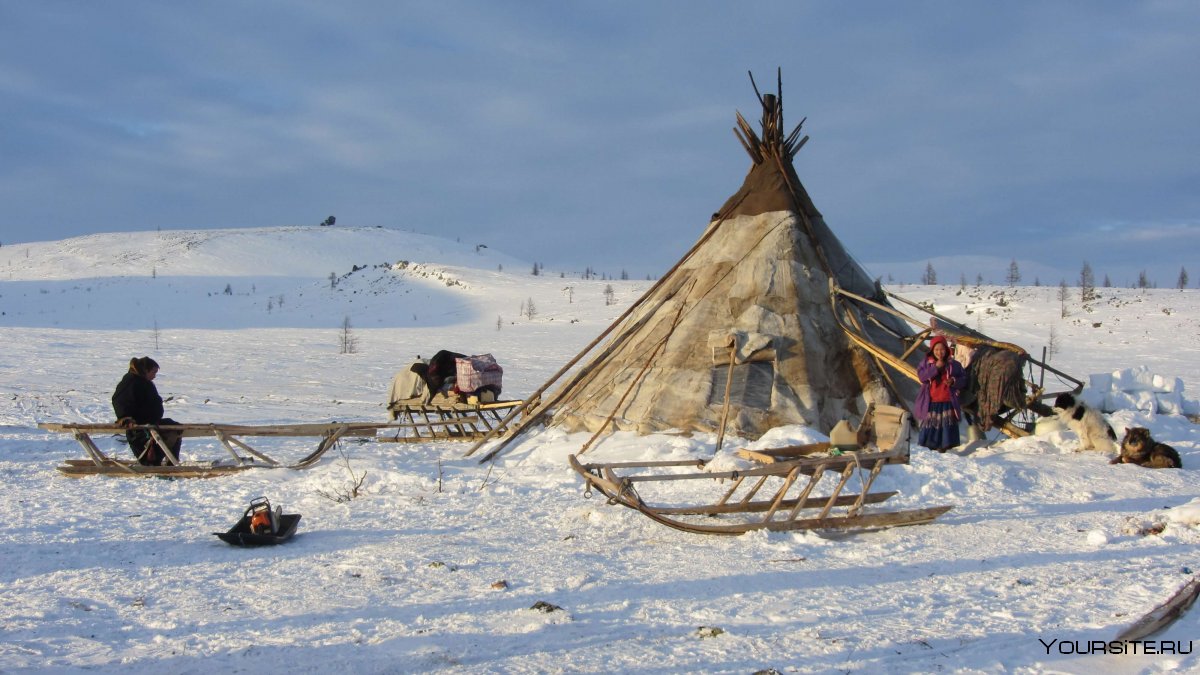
[745,315]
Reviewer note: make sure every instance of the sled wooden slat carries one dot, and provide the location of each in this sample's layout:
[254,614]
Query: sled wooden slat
[78,468]
[202,430]
[754,507]
[806,465]
[450,421]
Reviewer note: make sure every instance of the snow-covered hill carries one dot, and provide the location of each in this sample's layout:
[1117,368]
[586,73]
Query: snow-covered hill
[1044,546]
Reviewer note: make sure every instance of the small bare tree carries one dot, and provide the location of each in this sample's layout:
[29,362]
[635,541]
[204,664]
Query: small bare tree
[1052,348]
[342,495]
[1063,294]
[347,339]
[609,294]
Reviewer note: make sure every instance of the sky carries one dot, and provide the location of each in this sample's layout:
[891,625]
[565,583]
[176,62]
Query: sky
[599,133]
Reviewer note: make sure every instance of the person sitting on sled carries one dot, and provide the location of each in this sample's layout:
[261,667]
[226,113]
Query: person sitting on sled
[136,401]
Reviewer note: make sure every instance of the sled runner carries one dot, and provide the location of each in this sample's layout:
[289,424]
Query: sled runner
[447,420]
[779,493]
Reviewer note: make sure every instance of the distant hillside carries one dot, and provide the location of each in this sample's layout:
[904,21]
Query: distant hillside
[234,278]
[312,252]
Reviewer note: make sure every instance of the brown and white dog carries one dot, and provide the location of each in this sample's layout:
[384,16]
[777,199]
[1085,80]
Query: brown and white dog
[1139,448]
[1093,430]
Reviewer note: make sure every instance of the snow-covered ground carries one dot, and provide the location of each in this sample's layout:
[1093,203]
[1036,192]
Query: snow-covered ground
[1043,544]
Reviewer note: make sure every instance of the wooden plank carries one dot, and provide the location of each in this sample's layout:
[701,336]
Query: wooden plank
[772,455]
[699,463]
[202,430]
[759,506]
[280,430]
[865,521]
[137,470]
[780,469]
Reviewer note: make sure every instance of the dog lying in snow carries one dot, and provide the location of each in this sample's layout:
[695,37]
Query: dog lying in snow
[1093,430]
[1139,448]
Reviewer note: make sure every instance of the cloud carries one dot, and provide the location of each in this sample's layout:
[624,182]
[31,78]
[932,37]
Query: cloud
[579,128]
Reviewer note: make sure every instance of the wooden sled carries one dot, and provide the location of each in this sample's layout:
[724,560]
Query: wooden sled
[241,455]
[445,419]
[779,494]
[753,504]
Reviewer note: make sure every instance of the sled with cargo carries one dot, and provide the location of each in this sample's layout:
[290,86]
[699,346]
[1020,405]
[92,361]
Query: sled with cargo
[447,419]
[818,486]
[232,437]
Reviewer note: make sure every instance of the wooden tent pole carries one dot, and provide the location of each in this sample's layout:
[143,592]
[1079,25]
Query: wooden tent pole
[592,345]
[638,378]
[728,390]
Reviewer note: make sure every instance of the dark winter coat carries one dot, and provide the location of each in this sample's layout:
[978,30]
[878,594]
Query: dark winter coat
[138,398]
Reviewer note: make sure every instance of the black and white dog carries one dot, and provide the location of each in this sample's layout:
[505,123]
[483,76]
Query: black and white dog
[1093,430]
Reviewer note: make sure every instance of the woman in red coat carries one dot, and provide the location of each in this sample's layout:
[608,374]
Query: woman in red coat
[937,407]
